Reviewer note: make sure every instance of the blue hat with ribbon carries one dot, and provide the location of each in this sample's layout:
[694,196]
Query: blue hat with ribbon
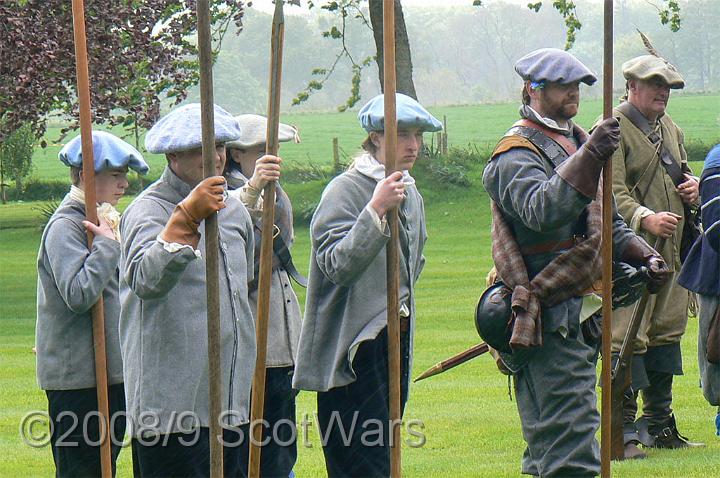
[551,65]
[181,130]
[410,114]
[109,152]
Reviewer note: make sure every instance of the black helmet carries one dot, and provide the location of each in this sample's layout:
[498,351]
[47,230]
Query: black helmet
[493,316]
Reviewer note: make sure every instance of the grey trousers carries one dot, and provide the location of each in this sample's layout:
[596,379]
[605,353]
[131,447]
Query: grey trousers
[555,395]
[709,373]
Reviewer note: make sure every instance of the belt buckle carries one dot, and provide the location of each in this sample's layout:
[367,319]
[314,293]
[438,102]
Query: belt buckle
[276,231]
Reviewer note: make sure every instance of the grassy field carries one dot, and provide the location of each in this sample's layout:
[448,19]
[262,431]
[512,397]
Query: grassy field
[481,124]
[470,423]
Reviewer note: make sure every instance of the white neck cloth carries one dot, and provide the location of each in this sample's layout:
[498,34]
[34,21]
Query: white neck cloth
[105,210]
[368,166]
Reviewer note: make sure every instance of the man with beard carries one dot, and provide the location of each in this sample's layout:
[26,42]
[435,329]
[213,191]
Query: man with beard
[655,191]
[544,181]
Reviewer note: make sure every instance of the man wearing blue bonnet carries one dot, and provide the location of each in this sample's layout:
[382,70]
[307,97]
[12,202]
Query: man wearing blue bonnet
[544,181]
[701,274]
[343,346]
[71,279]
[163,325]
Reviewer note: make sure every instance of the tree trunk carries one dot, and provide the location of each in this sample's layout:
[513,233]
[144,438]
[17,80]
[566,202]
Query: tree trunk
[2,182]
[137,146]
[403,58]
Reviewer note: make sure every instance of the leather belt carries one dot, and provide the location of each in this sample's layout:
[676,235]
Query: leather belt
[552,246]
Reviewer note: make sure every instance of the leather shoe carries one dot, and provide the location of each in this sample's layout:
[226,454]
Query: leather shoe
[633,452]
[670,438]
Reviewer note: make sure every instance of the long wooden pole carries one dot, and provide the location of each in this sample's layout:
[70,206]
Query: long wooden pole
[207,115]
[393,246]
[606,415]
[98,314]
[452,362]
[266,243]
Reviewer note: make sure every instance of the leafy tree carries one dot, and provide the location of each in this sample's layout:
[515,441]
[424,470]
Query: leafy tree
[347,9]
[16,157]
[139,51]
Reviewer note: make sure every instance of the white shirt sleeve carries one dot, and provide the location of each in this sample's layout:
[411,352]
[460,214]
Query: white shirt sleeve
[173,247]
[381,224]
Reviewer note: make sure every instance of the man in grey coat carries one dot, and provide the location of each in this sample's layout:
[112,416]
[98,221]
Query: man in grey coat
[343,342]
[71,279]
[163,325]
[543,178]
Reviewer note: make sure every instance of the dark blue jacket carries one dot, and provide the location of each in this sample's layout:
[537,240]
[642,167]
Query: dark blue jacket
[701,271]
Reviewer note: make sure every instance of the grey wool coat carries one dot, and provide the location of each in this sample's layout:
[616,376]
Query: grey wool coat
[347,294]
[71,279]
[163,325]
[542,207]
[555,383]
[284,316]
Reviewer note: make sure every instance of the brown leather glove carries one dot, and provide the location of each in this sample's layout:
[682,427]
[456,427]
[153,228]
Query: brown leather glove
[582,170]
[604,139]
[639,253]
[206,199]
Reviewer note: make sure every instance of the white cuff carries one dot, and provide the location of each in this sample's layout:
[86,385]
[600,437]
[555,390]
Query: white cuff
[640,213]
[250,197]
[381,224]
[173,247]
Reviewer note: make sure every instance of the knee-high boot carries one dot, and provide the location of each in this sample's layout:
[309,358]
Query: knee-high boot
[657,412]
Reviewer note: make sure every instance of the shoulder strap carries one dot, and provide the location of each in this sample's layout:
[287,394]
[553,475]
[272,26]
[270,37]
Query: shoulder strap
[668,161]
[544,146]
[283,252]
[547,143]
[512,141]
[558,138]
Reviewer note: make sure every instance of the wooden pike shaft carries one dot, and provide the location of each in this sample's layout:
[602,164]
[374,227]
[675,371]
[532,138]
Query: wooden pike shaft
[207,114]
[454,361]
[393,246]
[98,315]
[605,430]
[622,372]
[266,246]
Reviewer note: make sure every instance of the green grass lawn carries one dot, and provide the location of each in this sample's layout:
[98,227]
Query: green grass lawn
[482,124]
[471,425]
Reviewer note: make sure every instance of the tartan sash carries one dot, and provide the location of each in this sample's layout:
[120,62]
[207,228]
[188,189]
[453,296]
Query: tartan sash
[566,276]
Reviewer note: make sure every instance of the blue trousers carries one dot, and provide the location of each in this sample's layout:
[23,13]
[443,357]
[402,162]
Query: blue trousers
[354,419]
[75,431]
